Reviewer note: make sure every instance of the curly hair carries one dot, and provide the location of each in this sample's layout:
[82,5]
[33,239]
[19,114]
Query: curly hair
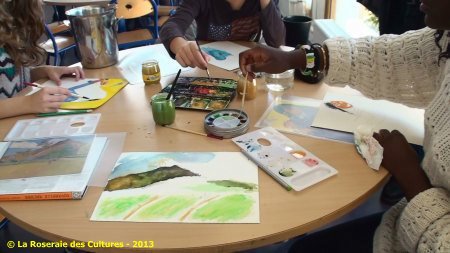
[437,37]
[21,26]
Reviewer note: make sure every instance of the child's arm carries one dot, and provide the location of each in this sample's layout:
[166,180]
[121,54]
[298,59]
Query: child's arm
[272,25]
[48,99]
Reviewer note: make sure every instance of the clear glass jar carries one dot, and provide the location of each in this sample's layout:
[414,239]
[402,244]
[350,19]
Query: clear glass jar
[279,82]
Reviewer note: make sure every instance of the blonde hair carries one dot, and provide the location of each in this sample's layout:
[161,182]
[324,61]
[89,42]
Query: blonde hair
[21,26]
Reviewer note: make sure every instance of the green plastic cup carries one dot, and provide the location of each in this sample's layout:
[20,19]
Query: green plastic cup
[163,109]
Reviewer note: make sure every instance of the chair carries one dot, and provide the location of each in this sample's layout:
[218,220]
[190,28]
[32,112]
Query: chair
[165,11]
[57,45]
[131,9]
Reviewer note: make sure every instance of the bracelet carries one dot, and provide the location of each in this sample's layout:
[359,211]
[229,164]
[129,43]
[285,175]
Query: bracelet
[318,49]
[310,58]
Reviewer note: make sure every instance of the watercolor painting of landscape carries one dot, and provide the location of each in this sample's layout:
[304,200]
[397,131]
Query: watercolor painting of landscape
[193,187]
[45,157]
[295,115]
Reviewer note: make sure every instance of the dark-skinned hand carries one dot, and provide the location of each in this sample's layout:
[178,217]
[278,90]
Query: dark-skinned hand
[267,59]
[400,159]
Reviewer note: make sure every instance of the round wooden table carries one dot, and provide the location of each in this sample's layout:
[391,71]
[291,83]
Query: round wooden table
[283,214]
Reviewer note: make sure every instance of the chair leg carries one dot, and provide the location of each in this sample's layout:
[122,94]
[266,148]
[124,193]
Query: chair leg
[56,60]
[61,58]
[3,222]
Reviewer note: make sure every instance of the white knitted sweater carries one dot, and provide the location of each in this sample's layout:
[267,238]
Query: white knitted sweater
[404,68]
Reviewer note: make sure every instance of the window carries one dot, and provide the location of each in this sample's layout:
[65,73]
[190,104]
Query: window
[354,18]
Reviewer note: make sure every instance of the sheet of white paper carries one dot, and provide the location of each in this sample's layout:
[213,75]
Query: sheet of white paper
[224,54]
[130,62]
[379,114]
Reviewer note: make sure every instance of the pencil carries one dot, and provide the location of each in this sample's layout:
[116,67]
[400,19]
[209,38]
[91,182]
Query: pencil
[42,86]
[194,132]
[200,50]
[59,113]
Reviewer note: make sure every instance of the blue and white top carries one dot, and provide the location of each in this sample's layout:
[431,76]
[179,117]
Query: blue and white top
[11,78]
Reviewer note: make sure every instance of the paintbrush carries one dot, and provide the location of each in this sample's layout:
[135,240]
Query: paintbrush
[200,50]
[330,105]
[193,132]
[173,85]
[243,95]
[71,93]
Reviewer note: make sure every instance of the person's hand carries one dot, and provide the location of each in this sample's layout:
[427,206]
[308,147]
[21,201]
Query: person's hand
[187,54]
[400,159]
[55,73]
[266,59]
[47,99]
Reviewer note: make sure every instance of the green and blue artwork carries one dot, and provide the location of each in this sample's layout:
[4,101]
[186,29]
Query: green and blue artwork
[193,187]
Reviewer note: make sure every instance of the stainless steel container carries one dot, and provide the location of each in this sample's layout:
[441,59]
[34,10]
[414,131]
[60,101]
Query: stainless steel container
[95,32]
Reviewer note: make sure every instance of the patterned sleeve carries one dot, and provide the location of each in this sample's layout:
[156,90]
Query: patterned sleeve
[272,25]
[177,24]
[400,68]
[422,225]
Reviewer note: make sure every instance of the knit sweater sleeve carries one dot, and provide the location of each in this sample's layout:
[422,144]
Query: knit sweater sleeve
[400,68]
[177,24]
[272,25]
[424,224]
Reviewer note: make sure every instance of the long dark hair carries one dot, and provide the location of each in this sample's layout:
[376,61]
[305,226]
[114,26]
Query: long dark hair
[21,26]
[437,37]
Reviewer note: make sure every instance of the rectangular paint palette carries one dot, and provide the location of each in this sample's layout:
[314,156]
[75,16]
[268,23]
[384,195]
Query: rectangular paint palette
[201,93]
[287,162]
[80,124]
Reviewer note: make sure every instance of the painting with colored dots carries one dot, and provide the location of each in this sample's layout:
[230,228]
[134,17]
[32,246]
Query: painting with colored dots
[290,164]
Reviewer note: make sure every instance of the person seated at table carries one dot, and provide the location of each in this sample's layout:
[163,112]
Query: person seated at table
[21,26]
[414,69]
[220,20]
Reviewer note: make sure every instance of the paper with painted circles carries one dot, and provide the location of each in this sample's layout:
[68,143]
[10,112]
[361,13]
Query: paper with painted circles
[80,124]
[287,162]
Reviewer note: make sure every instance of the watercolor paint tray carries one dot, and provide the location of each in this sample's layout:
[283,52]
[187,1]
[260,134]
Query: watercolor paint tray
[287,162]
[201,93]
[226,123]
[81,124]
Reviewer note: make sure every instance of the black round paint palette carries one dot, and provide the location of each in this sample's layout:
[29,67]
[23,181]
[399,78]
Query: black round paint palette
[226,123]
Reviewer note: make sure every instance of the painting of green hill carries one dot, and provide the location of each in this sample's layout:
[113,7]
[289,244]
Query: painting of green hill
[187,187]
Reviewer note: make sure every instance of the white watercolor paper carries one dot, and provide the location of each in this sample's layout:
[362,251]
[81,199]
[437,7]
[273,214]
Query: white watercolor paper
[379,114]
[224,54]
[130,62]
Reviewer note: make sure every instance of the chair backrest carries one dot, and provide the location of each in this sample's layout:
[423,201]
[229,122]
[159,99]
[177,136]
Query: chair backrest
[57,44]
[143,12]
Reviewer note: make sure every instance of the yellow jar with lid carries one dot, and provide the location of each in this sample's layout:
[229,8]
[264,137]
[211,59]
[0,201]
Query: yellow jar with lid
[250,89]
[150,72]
